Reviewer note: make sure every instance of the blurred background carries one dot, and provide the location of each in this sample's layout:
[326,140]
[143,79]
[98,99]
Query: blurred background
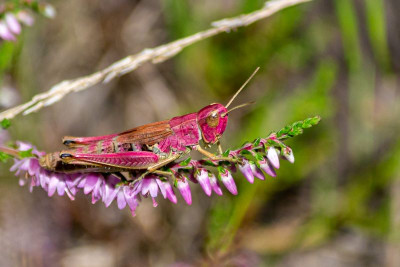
[338,205]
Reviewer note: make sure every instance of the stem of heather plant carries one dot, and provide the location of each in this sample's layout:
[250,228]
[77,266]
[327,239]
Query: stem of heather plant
[9,151]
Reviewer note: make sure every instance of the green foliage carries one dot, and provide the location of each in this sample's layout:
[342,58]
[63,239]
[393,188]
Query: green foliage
[297,128]
[26,154]
[5,123]
[186,161]
[4,157]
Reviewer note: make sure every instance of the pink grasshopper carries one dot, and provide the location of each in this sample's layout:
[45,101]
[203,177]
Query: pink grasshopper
[145,148]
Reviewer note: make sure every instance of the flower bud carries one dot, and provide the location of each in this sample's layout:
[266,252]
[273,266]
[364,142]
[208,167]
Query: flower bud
[247,171]
[12,23]
[227,180]
[25,18]
[273,157]
[257,172]
[204,181]
[183,186]
[214,185]
[267,168]
[5,33]
[288,154]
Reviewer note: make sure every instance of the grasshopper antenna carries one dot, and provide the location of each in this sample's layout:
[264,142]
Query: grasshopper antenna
[239,106]
[241,88]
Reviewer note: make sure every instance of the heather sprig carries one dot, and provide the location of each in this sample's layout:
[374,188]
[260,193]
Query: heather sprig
[253,160]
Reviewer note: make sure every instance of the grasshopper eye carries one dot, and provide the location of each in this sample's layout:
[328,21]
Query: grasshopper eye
[212,120]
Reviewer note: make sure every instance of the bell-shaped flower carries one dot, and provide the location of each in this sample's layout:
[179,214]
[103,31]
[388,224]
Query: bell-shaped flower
[204,181]
[267,167]
[5,32]
[288,154]
[257,172]
[215,185]
[12,23]
[169,192]
[183,187]
[247,171]
[273,157]
[227,180]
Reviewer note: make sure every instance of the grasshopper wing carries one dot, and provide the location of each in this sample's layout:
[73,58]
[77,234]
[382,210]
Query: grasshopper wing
[148,134]
[132,160]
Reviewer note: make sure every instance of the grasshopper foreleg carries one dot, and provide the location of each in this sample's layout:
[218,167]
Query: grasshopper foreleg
[213,156]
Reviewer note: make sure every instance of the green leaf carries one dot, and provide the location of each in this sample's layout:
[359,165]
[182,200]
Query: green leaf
[186,161]
[257,142]
[220,169]
[4,157]
[226,153]
[26,154]
[245,152]
[259,157]
[271,142]
[5,123]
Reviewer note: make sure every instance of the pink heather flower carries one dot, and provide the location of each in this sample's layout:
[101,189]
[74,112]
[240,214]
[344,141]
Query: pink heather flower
[257,172]
[125,194]
[50,181]
[183,186]
[150,187]
[12,23]
[24,17]
[247,171]
[272,156]
[204,181]
[227,180]
[267,168]
[110,189]
[5,33]
[131,198]
[214,184]
[288,154]
[166,190]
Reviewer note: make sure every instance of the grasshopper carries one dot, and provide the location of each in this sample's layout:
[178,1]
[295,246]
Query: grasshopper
[145,149]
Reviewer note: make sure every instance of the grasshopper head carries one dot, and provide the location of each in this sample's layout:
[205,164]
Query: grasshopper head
[213,118]
[212,121]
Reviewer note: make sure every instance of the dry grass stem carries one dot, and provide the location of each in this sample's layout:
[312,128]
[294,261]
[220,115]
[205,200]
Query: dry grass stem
[154,55]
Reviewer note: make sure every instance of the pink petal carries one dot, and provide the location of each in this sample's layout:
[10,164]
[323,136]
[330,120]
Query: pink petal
[53,185]
[204,181]
[257,172]
[25,18]
[121,200]
[91,181]
[153,188]
[273,157]
[247,171]
[268,168]
[214,184]
[155,204]
[229,183]
[13,23]
[161,185]
[170,192]
[61,188]
[184,188]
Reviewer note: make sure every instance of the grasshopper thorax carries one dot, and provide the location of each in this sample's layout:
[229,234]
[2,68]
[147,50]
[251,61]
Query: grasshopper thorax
[212,121]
